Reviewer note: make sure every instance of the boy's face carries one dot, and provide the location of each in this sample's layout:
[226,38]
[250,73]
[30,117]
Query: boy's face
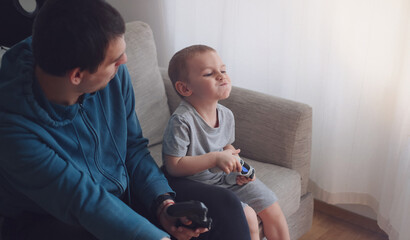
[207,77]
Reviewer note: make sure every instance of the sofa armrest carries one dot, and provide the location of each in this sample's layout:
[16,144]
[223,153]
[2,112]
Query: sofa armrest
[273,130]
[268,129]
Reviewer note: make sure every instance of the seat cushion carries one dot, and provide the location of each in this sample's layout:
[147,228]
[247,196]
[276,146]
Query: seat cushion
[150,98]
[284,182]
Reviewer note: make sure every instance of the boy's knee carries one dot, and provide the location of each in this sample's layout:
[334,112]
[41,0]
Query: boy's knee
[252,219]
[273,212]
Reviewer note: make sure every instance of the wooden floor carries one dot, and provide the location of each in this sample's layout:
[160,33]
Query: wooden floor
[327,226]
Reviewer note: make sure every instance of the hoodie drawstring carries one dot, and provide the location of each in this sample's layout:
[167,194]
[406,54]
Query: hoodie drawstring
[82,151]
[118,152]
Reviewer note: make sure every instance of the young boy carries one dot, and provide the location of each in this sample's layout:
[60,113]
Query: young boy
[200,132]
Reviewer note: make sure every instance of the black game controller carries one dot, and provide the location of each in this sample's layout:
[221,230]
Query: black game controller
[195,211]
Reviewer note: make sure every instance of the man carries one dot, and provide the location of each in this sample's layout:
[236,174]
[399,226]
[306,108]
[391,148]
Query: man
[73,161]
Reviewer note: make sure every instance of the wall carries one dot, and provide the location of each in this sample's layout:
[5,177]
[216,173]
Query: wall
[359,209]
[150,12]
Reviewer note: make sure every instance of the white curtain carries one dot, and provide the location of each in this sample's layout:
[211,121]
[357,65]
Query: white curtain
[349,60]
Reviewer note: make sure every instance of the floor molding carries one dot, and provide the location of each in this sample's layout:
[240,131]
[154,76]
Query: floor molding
[348,216]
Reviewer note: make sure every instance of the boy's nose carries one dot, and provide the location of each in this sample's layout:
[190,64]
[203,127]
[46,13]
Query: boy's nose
[220,76]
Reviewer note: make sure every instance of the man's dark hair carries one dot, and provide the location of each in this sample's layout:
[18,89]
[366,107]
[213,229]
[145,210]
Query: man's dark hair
[74,33]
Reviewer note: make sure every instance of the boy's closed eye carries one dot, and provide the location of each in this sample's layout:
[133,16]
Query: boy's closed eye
[207,74]
[210,74]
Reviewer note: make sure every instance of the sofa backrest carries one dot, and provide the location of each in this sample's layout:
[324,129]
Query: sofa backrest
[150,98]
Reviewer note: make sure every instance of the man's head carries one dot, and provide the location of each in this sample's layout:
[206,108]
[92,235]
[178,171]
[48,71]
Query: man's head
[198,71]
[70,34]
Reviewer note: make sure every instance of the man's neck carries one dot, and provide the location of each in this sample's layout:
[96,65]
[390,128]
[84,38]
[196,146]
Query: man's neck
[56,89]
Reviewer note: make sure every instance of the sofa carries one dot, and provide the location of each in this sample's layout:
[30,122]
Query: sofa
[274,134]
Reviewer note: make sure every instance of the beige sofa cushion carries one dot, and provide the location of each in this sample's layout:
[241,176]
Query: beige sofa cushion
[150,98]
[284,182]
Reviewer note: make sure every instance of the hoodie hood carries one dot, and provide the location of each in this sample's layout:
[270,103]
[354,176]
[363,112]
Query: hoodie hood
[20,93]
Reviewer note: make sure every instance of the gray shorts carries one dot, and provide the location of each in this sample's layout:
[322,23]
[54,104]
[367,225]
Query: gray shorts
[255,194]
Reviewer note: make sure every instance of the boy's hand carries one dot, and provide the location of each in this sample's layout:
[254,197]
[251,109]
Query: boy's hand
[242,180]
[227,161]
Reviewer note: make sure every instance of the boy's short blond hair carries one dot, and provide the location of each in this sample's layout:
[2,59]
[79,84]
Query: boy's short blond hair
[177,68]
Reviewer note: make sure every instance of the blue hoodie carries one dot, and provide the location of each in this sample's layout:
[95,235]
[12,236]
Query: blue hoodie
[74,162]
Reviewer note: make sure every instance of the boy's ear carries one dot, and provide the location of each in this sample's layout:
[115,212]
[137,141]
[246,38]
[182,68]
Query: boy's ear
[183,89]
[76,76]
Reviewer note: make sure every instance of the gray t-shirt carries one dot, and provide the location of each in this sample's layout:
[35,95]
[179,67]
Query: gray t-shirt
[187,134]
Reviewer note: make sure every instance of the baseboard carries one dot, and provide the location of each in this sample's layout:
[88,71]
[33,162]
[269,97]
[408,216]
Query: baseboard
[348,216]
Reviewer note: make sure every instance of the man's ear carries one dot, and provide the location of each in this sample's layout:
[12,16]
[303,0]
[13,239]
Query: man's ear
[183,89]
[76,76]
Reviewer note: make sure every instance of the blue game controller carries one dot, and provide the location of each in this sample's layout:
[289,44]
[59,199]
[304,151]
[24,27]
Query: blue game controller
[247,170]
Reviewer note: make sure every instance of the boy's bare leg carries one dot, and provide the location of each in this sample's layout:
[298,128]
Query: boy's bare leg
[252,219]
[274,223]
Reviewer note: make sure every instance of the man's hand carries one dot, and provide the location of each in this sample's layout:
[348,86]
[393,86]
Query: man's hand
[168,223]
